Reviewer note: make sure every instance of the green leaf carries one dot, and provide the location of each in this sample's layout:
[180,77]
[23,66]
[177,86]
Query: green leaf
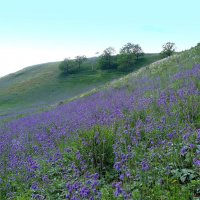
[183,178]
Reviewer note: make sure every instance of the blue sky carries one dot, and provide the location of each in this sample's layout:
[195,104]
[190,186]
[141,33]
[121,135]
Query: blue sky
[38,31]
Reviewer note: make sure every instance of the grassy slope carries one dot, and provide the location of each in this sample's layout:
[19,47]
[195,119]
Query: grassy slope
[154,182]
[42,84]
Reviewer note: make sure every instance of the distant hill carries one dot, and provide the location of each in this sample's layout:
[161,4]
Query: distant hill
[41,85]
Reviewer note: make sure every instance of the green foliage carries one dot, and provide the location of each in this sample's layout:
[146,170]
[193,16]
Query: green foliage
[24,196]
[107,60]
[168,49]
[128,55]
[138,51]
[66,65]
[96,146]
[79,60]
[125,61]
[159,191]
[107,193]
[184,175]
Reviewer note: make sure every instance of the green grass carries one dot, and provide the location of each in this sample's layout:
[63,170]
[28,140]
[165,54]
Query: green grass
[43,85]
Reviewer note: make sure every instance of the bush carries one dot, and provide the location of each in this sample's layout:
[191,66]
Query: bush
[95,149]
[66,66]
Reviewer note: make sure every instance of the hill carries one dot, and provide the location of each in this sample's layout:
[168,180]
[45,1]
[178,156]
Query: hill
[135,138]
[41,85]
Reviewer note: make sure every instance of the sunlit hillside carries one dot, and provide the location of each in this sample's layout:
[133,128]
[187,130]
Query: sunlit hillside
[136,138]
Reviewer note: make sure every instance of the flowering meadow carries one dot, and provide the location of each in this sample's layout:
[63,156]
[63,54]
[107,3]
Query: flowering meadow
[137,139]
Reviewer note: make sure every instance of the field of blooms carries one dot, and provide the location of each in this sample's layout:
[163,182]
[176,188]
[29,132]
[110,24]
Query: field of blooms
[138,139]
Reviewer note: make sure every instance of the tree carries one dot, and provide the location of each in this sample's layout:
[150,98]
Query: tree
[106,60]
[94,60]
[137,50]
[127,49]
[168,49]
[79,60]
[127,56]
[66,65]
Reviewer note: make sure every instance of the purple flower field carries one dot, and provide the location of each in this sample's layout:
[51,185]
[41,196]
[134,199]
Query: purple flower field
[137,141]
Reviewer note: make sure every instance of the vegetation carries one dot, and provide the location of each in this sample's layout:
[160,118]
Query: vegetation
[168,49]
[37,87]
[66,65]
[138,51]
[79,60]
[138,139]
[107,60]
[129,55]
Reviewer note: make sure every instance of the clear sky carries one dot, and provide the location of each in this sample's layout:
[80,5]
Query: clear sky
[38,31]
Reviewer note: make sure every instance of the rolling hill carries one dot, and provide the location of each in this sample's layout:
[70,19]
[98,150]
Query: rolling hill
[41,85]
[135,138]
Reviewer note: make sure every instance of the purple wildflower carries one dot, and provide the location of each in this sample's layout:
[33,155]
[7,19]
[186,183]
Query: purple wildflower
[84,192]
[34,186]
[145,165]
[121,177]
[184,151]
[117,166]
[196,162]
[119,189]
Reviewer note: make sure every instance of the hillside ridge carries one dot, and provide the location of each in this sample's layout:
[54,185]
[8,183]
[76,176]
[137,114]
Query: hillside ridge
[41,85]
